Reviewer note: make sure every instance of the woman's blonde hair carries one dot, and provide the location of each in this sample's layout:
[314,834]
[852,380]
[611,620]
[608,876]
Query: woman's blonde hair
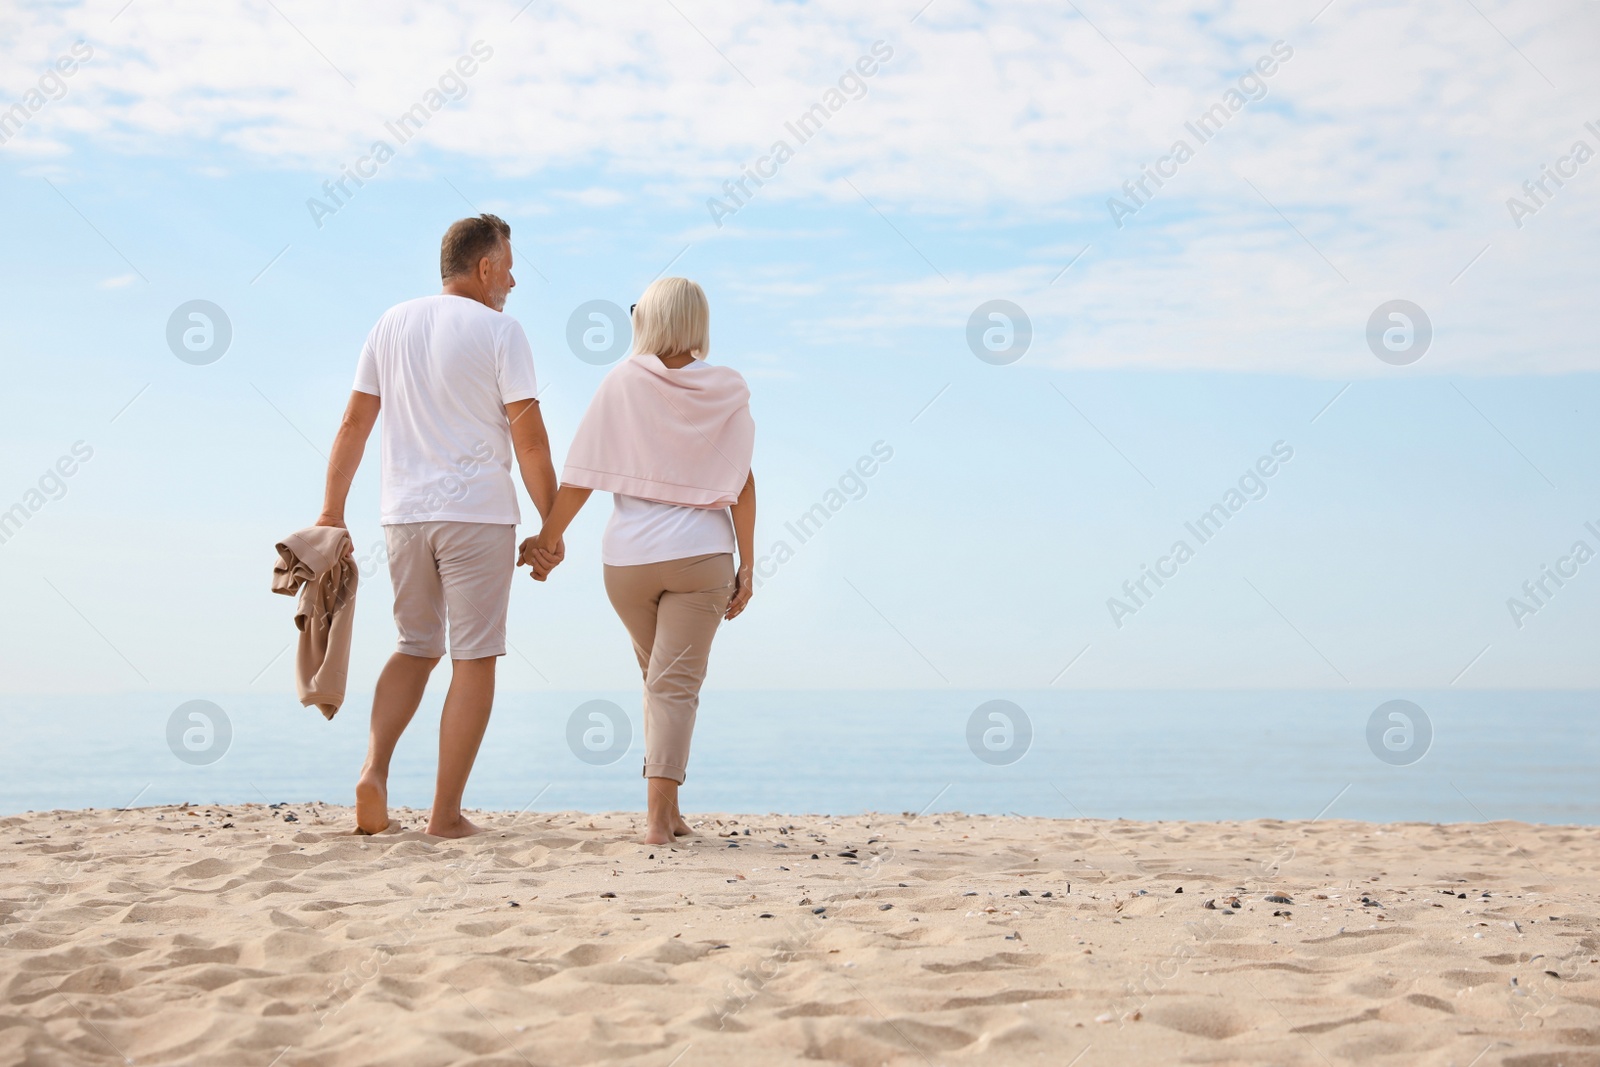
[672,318]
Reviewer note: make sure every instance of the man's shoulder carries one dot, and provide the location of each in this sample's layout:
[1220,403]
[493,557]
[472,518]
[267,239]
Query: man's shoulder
[502,327]
[461,318]
[463,309]
[408,308]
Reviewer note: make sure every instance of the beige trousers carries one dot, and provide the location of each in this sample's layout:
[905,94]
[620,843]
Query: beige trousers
[671,610]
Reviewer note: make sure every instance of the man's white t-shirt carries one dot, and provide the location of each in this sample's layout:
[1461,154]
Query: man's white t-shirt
[445,367]
[648,531]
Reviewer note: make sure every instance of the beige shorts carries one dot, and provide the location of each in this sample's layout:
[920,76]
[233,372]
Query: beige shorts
[455,575]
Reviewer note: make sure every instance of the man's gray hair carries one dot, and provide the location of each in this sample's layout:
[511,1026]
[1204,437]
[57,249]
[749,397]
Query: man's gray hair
[467,241]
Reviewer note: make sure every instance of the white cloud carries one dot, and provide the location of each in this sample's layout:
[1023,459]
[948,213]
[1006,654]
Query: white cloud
[595,197]
[1389,143]
[1025,105]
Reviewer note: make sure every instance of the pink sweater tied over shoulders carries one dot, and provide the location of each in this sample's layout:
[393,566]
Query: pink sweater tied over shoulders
[680,437]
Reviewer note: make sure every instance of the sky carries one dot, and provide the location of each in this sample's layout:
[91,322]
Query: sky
[1159,349]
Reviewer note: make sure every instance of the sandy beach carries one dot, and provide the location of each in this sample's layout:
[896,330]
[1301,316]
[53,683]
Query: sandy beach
[256,935]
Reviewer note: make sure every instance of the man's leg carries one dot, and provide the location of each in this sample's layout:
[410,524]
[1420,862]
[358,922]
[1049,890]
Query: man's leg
[476,564]
[394,702]
[419,619]
[461,727]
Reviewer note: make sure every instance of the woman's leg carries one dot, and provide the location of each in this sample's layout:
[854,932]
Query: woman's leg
[688,611]
[635,594]
[661,818]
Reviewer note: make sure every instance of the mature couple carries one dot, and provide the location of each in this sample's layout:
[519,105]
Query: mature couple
[667,433]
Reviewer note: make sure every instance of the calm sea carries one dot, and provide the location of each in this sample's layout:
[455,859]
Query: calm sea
[1449,756]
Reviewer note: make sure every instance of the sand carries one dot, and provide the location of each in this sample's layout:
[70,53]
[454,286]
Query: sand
[248,935]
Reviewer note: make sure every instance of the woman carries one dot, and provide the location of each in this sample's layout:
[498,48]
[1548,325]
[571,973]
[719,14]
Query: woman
[670,436]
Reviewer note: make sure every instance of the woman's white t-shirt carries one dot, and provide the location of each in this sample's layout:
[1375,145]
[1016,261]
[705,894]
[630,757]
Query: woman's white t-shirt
[647,531]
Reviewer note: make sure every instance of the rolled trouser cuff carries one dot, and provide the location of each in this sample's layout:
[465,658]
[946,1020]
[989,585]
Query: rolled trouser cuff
[663,770]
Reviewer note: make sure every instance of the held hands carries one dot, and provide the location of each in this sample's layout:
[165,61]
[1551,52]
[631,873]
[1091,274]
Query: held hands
[543,554]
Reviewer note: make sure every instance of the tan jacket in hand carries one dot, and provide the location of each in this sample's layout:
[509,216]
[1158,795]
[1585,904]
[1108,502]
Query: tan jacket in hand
[317,564]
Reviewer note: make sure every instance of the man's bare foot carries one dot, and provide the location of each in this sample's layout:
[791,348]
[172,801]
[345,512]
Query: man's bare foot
[681,828]
[460,826]
[657,835]
[372,804]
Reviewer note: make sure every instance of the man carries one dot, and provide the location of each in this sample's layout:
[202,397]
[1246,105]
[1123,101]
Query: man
[455,379]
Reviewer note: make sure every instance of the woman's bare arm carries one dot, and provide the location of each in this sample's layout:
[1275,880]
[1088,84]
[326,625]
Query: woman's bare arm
[544,551]
[744,533]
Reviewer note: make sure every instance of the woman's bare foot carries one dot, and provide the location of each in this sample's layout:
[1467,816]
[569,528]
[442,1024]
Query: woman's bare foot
[460,826]
[662,821]
[681,828]
[372,804]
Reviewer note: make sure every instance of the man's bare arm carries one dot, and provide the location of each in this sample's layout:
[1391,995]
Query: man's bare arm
[531,444]
[348,446]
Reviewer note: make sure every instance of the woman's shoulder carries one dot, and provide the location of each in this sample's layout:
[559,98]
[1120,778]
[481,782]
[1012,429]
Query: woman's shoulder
[697,376]
[723,371]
